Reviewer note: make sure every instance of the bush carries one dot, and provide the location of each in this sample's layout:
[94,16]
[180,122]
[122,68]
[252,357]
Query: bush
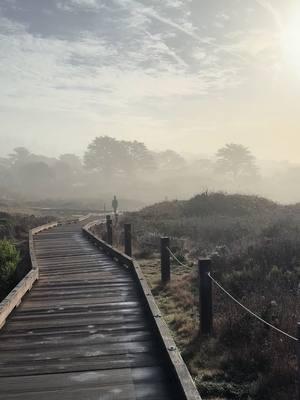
[255,248]
[9,259]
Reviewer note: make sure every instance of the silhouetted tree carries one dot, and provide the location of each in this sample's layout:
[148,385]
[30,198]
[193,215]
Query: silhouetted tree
[113,157]
[169,160]
[72,161]
[139,156]
[20,155]
[4,162]
[6,177]
[35,177]
[104,154]
[236,160]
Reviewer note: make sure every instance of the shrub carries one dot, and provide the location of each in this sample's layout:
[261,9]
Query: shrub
[255,248]
[9,259]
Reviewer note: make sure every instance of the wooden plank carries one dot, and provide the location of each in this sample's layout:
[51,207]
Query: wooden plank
[80,364]
[175,362]
[24,334]
[74,340]
[81,379]
[83,332]
[151,391]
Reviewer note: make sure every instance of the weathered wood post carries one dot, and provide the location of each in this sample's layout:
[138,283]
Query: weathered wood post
[109,230]
[205,297]
[298,358]
[165,260]
[127,239]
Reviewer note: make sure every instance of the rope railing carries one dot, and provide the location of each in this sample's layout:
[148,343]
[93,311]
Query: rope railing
[249,311]
[205,282]
[194,304]
[176,259]
[236,301]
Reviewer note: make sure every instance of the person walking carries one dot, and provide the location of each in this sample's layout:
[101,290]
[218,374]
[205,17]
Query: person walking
[115,205]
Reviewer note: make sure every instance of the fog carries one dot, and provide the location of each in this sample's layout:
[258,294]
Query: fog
[184,78]
[140,176]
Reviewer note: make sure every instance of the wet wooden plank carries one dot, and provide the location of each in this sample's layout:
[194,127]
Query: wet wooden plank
[83,331]
[81,364]
[151,391]
[84,379]
[185,386]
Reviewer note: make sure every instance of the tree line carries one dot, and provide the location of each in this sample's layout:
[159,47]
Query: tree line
[107,161]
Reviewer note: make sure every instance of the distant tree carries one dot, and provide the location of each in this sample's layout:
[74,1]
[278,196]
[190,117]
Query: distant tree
[4,162]
[63,172]
[203,164]
[169,160]
[20,155]
[104,154]
[72,161]
[9,259]
[236,160]
[112,157]
[5,176]
[139,156]
[68,171]
[35,177]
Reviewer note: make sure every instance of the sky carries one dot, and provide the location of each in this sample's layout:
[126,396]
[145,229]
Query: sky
[190,75]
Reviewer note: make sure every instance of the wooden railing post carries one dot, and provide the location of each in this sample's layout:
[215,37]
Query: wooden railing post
[109,230]
[298,359]
[205,297]
[165,260]
[127,239]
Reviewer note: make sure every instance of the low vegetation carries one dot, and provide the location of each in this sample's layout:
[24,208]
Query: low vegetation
[14,254]
[255,248]
[9,259]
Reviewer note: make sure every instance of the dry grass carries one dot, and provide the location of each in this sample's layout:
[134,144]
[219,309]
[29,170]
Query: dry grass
[243,360]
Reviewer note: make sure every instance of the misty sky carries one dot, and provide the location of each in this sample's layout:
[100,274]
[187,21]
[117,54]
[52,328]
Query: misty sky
[190,75]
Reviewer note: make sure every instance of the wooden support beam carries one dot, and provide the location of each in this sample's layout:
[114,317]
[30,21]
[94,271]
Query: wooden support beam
[109,230]
[298,358]
[165,260]
[127,239]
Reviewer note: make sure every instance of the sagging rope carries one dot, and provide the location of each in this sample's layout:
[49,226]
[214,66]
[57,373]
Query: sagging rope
[237,302]
[194,310]
[176,259]
[251,312]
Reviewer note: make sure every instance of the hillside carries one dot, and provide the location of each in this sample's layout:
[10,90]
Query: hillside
[208,204]
[254,245]
[216,219]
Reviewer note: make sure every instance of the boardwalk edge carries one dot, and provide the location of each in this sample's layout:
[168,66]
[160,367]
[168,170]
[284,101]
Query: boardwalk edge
[14,298]
[178,368]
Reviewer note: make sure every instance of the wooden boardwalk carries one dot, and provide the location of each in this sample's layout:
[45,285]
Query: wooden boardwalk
[83,331]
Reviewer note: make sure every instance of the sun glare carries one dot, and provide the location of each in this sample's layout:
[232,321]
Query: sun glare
[290,39]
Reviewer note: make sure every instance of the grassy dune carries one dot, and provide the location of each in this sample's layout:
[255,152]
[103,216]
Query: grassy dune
[255,248]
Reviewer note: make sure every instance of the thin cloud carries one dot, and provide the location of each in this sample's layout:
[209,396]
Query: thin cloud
[70,5]
[272,10]
[136,6]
